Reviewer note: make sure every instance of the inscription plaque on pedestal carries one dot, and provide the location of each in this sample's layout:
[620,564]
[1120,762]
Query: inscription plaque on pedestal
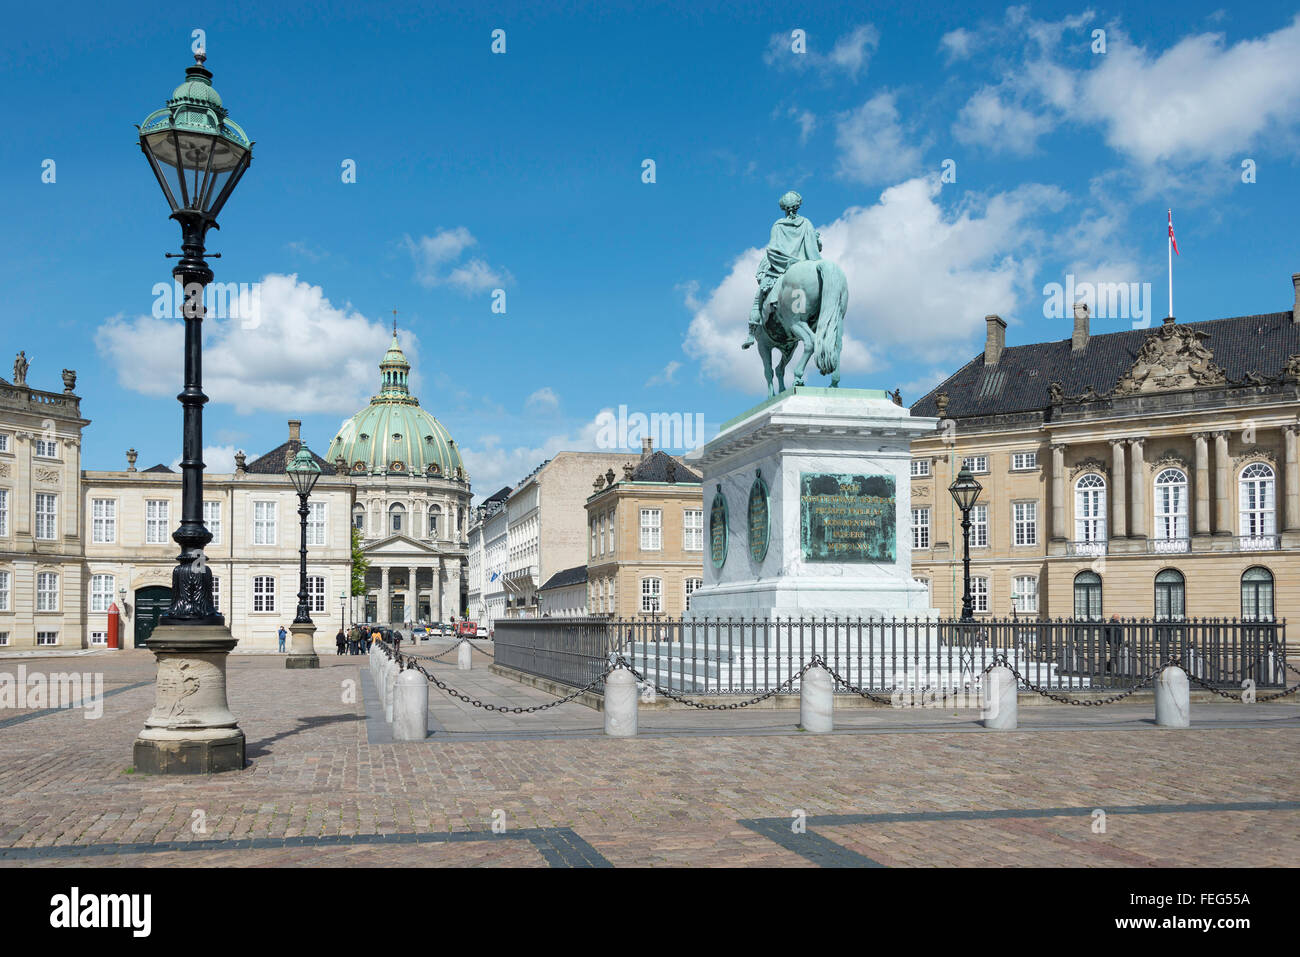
[718,529]
[847,518]
[760,524]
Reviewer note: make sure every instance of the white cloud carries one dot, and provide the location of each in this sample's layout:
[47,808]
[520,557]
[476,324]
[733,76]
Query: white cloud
[492,465]
[543,400]
[435,262]
[872,143]
[850,55]
[666,376]
[304,355]
[807,123]
[957,44]
[216,458]
[920,278]
[995,121]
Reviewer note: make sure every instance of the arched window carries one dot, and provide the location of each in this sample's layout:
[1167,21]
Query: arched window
[1171,601]
[435,513]
[1257,594]
[1087,596]
[1090,508]
[1171,506]
[1257,504]
[359,517]
[396,516]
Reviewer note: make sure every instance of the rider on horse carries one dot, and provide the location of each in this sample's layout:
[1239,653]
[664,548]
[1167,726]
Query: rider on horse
[793,239]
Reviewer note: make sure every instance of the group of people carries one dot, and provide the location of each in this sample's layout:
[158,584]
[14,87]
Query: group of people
[355,641]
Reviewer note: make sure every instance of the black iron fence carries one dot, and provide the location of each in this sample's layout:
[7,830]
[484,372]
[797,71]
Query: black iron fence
[746,656]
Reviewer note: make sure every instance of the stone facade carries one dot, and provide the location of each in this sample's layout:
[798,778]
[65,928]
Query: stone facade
[1132,474]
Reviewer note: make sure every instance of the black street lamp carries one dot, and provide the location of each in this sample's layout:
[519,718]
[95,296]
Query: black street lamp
[965,490]
[304,473]
[198,155]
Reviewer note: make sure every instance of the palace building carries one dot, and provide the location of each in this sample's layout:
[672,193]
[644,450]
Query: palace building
[75,543]
[1141,473]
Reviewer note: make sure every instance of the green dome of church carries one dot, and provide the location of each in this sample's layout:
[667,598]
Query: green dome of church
[393,435]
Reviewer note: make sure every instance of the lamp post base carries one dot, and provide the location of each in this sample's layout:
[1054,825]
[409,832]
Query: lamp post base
[302,648]
[191,729]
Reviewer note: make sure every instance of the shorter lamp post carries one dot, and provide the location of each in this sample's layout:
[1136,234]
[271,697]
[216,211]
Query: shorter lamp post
[303,472]
[965,490]
[343,611]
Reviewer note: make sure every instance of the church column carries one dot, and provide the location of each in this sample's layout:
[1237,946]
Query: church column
[1119,517]
[382,613]
[1222,500]
[413,592]
[1058,492]
[435,593]
[1202,521]
[1291,515]
[1138,523]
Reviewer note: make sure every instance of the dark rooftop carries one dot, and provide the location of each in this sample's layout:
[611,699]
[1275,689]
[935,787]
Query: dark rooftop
[657,466]
[1021,380]
[275,461]
[576,575]
[157,468]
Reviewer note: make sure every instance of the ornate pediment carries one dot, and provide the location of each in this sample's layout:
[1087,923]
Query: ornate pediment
[1090,464]
[1173,358]
[1255,453]
[1171,458]
[1292,368]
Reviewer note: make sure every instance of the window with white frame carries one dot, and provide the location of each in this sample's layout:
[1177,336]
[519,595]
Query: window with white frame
[263,593]
[1024,460]
[691,585]
[612,590]
[611,531]
[316,592]
[98,638]
[4,639]
[651,529]
[1256,498]
[4,441]
[47,591]
[1024,518]
[316,523]
[979,594]
[47,448]
[920,468]
[651,594]
[1171,505]
[103,521]
[156,521]
[47,515]
[4,512]
[1090,508]
[593,538]
[216,593]
[979,526]
[212,520]
[264,516]
[693,530]
[600,535]
[47,638]
[921,528]
[976,463]
[1026,597]
[5,590]
[101,592]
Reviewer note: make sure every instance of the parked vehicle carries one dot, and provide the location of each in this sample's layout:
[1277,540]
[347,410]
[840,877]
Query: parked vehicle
[467,629]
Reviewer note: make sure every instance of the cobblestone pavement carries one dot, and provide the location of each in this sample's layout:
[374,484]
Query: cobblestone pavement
[893,788]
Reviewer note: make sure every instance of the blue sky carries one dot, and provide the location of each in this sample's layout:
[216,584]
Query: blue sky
[523,171]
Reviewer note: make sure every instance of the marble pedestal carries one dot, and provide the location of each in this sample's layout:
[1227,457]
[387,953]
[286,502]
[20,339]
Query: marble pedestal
[803,443]
[302,646]
[191,729]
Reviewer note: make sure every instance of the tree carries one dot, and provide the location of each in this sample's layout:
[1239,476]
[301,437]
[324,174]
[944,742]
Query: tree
[360,564]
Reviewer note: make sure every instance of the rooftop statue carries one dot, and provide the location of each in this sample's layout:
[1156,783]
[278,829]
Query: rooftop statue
[801,298]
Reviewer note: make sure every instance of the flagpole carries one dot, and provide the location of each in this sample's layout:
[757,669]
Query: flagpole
[1169,243]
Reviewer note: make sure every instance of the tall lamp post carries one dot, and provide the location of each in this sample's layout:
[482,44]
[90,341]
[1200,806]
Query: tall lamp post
[198,155]
[965,490]
[303,472]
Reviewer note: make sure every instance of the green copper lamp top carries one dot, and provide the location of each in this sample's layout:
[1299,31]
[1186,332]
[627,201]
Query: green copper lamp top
[195,110]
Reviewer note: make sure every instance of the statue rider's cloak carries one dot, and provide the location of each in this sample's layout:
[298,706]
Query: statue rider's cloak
[792,240]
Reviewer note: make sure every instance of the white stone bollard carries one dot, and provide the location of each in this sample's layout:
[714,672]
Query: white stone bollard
[620,704]
[1173,699]
[411,707]
[390,682]
[1001,705]
[817,701]
[462,656]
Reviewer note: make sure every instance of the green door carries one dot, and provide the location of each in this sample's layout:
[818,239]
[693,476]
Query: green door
[150,604]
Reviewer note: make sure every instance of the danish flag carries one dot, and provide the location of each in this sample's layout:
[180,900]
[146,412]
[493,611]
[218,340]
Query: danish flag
[1171,233]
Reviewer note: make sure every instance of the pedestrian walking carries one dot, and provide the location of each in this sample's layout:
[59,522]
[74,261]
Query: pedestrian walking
[339,641]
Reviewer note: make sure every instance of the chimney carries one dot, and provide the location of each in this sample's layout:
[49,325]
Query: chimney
[647,448]
[1295,310]
[295,431]
[1079,340]
[996,340]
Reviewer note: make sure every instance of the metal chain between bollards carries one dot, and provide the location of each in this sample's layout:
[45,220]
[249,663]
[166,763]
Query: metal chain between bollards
[1081,702]
[702,706]
[504,709]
